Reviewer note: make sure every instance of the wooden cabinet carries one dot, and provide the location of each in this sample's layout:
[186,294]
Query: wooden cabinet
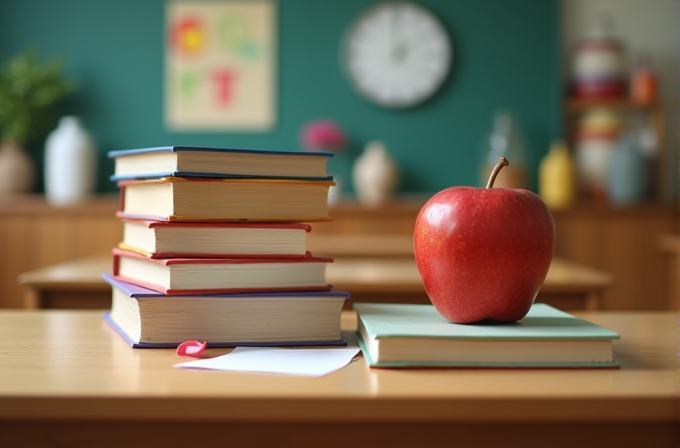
[669,244]
[34,234]
[624,242]
[620,241]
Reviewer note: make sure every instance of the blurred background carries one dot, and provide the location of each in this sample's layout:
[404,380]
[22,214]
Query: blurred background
[581,96]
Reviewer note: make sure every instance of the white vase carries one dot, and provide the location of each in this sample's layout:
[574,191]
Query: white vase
[375,175]
[70,163]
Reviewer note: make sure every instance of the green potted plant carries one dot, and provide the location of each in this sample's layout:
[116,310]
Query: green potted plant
[29,88]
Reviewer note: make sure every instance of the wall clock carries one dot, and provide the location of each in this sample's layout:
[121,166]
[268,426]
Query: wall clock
[397,54]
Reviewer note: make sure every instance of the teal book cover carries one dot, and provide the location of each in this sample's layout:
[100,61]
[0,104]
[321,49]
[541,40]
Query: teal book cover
[220,163]
[409,335]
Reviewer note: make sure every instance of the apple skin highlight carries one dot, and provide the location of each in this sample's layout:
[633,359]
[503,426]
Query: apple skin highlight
[484,253]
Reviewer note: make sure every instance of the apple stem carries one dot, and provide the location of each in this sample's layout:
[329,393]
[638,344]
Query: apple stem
[501,163]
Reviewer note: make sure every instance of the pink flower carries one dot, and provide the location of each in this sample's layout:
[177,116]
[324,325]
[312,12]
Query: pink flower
[323,135]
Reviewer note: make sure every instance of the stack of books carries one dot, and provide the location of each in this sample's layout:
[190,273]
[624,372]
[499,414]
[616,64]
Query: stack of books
[215,248]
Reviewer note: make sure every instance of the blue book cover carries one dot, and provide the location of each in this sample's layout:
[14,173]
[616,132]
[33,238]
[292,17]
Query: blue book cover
[196,315]
[405,335]
[219,163]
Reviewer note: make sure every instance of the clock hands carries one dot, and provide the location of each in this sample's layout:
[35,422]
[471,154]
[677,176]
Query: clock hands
[398,52]
[403,43]
[401,51]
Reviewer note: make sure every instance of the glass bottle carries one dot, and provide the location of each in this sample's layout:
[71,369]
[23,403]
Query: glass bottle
[505,140]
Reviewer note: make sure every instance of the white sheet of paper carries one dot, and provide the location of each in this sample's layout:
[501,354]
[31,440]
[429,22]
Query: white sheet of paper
[304,362]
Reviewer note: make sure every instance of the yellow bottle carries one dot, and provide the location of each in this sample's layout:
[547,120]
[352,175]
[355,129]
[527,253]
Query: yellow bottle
[557,177]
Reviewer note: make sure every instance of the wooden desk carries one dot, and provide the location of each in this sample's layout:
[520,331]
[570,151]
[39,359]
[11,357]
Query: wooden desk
[72,284]
[77,284]
[66,379]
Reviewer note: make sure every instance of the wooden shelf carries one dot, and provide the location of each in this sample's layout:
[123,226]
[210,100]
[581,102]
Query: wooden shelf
[655,116]
[577,105]
[99,205]
[586,208]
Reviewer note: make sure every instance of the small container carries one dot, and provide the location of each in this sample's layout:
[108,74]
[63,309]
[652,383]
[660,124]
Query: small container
[557,177]
[599,63]
[628,174]
[643,83]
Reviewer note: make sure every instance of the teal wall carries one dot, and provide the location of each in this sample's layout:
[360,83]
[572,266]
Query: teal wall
[505,56]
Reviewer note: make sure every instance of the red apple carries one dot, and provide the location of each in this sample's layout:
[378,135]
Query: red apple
[483,253]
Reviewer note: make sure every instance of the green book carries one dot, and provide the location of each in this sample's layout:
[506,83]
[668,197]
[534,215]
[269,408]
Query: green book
[404,335]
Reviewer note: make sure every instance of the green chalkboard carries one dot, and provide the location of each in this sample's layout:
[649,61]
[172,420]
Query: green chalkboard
[506,56]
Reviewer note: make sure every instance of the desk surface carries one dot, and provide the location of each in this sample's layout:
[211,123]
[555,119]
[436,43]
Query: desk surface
[66,379]
[72,361]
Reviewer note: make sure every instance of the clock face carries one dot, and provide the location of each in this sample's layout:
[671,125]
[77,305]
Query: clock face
[397,54]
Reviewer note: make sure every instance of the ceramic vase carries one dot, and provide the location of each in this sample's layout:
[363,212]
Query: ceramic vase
[375,175]
[70,163]
[17,172]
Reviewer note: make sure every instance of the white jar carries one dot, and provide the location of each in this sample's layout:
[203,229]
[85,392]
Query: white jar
[70,163]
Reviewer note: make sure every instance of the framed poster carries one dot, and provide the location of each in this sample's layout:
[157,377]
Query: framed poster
[220,66]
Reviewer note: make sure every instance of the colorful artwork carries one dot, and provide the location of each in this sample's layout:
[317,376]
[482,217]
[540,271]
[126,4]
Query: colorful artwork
[220,66]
